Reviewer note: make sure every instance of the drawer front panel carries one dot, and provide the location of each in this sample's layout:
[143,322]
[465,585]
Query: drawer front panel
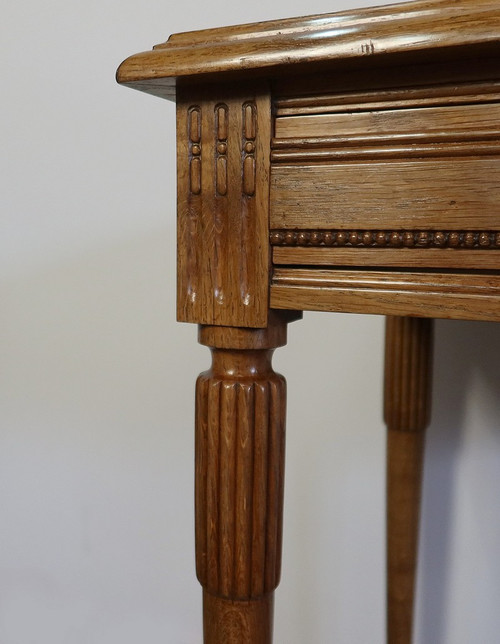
[429,194]
[388,201]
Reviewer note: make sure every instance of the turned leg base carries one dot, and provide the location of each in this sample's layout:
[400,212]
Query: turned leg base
[237,622]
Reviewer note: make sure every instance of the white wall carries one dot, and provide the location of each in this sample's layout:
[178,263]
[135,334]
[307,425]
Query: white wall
[96,440]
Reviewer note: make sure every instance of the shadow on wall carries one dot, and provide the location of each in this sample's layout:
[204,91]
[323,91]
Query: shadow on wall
[96,540]
[463,444]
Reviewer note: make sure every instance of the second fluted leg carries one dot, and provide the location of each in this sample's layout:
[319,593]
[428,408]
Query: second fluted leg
[408,370]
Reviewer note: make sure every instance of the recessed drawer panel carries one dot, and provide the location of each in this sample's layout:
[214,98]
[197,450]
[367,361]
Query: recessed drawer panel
[428,194]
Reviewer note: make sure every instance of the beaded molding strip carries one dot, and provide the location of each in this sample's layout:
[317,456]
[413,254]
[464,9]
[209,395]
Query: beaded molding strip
[386,238]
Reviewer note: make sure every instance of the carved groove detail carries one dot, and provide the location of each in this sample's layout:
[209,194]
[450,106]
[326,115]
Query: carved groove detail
[239,483]
[223,146]
[249,136]
[194,135]
[482,240]
[221,130]
[408,365]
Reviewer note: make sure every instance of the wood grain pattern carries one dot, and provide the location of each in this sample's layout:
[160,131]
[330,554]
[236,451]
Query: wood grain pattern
[378,248]
[239,483]
[440,295]
[223,203]
[308,151]
[242,622]
[240,461]
[282,46]
[387,258]
[434,95]
[395,77]
[409,124]
[408,366]
[463,194]
[407,402]
[435,121]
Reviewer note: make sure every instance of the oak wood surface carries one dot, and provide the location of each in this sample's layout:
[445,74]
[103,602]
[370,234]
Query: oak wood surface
[275,45]
[440,295]
[389,76]
[407,404]
[436,120]
[429,95]
[302,152]
[387,257]
[239,474]
[453,194]
[239,480]
[223,139]
[242,622]
[454,120]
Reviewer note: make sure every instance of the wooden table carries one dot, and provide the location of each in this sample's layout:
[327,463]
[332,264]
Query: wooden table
[347,162]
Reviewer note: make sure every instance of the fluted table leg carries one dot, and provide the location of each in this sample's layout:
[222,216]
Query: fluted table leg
[408,370]
[240,449]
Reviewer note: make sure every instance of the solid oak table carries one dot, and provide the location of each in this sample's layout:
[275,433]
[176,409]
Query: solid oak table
[347,162]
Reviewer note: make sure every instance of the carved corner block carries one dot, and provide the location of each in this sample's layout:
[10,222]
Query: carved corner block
[223,157]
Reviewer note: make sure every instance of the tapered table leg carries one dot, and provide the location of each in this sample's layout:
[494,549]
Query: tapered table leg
[408,370]
[240,442]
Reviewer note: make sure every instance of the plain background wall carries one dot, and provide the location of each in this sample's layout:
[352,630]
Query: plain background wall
[97,380]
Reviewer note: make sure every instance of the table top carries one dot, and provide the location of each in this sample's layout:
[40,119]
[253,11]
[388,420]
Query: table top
[437,27]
